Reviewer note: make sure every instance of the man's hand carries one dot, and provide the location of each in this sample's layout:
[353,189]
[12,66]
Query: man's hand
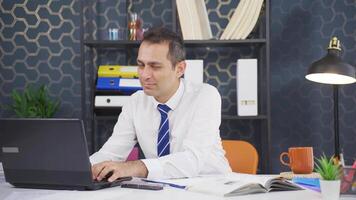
[119,169]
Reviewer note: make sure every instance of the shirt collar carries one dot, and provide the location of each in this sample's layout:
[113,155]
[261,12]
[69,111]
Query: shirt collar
[173,102]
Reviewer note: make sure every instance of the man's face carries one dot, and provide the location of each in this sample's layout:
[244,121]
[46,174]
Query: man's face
[157,75]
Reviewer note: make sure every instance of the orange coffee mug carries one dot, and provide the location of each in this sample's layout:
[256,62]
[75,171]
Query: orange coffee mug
[301,160]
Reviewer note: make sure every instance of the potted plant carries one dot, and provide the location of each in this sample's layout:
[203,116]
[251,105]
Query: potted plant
[33,103]
[330,172]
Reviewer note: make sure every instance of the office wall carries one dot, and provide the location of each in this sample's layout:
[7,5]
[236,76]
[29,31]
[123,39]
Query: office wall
[302,111]
[39,44]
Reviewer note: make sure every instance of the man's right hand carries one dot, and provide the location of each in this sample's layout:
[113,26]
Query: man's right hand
[101,170]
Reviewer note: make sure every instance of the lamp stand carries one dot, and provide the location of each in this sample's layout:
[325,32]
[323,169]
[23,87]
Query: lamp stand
[336,122]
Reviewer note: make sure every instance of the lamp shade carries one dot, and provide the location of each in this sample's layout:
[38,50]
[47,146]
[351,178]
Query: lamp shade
[331,69]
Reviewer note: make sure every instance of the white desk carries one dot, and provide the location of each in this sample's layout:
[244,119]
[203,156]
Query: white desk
[7,192]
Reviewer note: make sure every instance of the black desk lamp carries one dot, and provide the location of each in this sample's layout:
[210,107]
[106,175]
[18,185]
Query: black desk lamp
[332,70]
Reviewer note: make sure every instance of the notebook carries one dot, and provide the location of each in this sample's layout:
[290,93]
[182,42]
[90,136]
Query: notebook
[47,153]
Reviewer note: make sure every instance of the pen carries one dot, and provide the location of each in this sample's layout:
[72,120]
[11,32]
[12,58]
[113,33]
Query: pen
[164,183]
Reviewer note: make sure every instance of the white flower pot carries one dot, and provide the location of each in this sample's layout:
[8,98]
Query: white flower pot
[330,190]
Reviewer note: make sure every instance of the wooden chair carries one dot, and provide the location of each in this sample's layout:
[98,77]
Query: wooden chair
[242,156]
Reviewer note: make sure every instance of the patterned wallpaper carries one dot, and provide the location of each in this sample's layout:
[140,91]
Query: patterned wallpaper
[302,111]
[40,44]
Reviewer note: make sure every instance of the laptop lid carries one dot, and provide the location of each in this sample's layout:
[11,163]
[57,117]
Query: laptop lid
[45,152]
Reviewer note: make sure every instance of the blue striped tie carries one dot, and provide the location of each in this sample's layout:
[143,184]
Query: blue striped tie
[163,131]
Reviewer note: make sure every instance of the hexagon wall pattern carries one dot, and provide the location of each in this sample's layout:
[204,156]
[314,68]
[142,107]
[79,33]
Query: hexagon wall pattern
[40,44]
[302,111]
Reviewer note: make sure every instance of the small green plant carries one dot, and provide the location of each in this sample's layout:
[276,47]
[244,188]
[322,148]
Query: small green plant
[33,103]
[327,169]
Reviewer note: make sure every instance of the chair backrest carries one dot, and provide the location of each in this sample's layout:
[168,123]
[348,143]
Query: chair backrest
[134,154]
[242,156]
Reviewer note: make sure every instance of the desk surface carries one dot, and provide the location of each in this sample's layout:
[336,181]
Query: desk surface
[7,192]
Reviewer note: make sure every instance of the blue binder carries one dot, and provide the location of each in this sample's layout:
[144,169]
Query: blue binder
[127,86]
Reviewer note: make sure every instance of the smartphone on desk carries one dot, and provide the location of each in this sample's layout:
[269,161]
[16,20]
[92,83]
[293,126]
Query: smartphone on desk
[138,184]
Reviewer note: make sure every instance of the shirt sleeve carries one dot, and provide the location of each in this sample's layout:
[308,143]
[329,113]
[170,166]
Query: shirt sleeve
[202,150]
[122,140]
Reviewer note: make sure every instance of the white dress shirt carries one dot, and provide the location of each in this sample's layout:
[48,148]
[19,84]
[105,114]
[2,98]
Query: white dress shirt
[195,143]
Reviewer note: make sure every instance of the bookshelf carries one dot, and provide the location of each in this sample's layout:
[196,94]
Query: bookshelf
[188,43]
[260,43]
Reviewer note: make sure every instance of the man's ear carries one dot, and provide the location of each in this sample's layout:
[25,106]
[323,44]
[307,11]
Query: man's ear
[180,68]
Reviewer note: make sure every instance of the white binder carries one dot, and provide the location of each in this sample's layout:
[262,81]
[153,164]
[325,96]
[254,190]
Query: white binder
[246,82]
[111,101]
[194,71]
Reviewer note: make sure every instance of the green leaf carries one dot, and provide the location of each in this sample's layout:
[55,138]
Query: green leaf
[33,103]
[327,169]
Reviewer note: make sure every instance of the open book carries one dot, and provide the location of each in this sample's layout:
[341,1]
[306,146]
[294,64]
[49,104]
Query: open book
[237,184]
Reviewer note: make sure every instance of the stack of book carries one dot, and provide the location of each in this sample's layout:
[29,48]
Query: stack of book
[115,84]
[243,20]
[193,19]
[310,183]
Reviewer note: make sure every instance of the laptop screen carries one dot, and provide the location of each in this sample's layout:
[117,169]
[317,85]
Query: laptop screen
[44,151]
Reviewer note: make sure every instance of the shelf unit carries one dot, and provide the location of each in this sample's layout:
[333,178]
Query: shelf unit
[90,46]
[188,43]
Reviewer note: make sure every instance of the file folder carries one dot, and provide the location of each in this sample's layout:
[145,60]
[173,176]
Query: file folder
[118,71]
[246,82]
[111,101]
[194,71]
[124,85]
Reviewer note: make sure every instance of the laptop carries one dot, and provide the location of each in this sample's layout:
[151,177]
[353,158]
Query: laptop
[47,154]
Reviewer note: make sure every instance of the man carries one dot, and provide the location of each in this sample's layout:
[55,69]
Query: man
[175,122]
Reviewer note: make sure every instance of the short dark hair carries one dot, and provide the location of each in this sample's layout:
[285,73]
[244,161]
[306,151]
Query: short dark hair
[157,35]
